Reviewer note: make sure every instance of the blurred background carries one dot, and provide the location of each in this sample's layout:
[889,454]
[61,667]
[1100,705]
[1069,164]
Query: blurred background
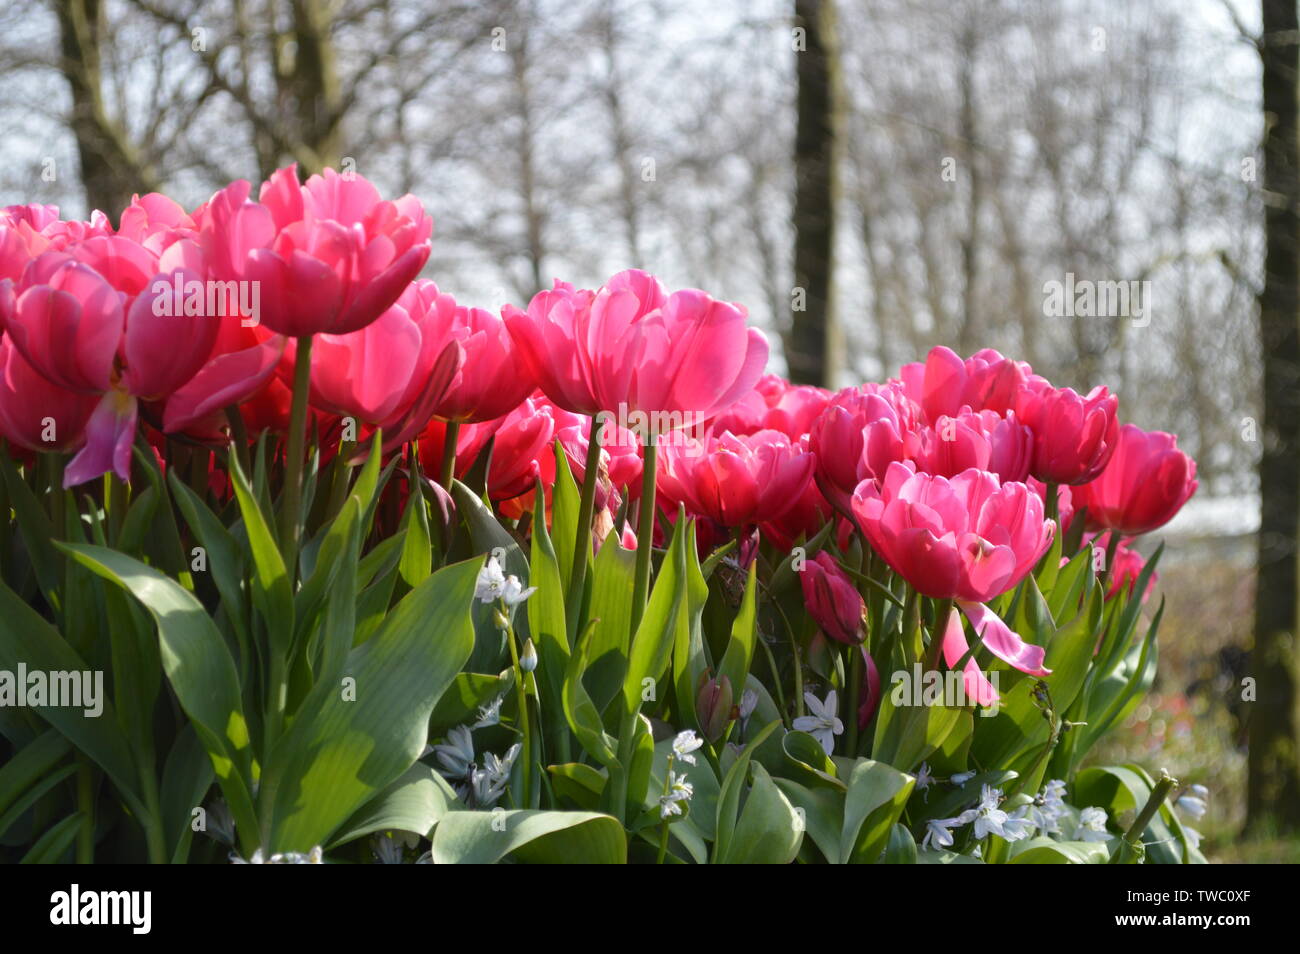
[869,177]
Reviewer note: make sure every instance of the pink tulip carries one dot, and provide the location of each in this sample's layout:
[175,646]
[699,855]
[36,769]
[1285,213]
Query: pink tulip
[36,414]
[803,520]
[241,364]
[983,440]
[523,452]
[100,318]
[492,382]
[630,348]
[1146,482]
[736,481]
[832,600]
[871,693]
[27,231]
[774,404]
[1125,569]
[862,431]
[1074,436]
[969,538]
[330,256]
[945,384]
[393,372]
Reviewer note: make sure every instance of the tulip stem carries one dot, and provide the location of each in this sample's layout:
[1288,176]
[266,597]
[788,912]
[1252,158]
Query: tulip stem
[521,685]
[663,821]
[645,532]
[855,697]
[1112,546]
[1052,492]
[451,435]
[293,460]
[239,437]
[117,504]
[582,541]
[911,620]
[942,610]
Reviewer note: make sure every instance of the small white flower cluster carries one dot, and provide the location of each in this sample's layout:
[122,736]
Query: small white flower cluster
[1041,816]
[478,786]
[493,585]
[678,790]
[313,857]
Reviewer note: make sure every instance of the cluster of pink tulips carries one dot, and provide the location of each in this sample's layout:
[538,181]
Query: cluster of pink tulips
[583,554]
[958,472]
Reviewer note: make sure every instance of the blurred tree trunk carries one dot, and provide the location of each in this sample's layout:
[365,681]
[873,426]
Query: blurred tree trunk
[810,343]
[534,213]
[968,333]
[111,169]
[309,79]
[1274,771]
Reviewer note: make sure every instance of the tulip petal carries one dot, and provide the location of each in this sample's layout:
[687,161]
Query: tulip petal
[225,380]
[109,434]
[955,647]
[1003,642]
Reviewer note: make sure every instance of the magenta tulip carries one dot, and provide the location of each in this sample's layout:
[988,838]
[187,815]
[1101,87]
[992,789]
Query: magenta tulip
[329,256]
[969,538]
[862,431]
[492,381]
[101,318]
[832,600]
[774,404]
[632,349]
[737,481]
[1145,484]
[984,440]
[1074,436]
[944,384]
[36,414]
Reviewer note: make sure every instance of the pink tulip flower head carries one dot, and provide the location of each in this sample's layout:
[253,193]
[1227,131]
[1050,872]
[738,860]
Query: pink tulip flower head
[736,481]
[969,539]
[1074,436]
[658,361]
[329,256]
[1145,484]
[944,384]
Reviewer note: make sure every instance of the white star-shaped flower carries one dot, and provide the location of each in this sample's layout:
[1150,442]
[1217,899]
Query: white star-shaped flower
[823,724]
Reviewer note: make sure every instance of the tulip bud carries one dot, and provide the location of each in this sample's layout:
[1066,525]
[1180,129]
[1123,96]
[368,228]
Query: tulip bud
[713,706]
[870,690]
[528,658]
[832,599]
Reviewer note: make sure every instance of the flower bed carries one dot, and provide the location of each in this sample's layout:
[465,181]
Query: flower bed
[305,561]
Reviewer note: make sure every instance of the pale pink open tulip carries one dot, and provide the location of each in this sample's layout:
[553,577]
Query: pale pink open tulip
[970,537]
